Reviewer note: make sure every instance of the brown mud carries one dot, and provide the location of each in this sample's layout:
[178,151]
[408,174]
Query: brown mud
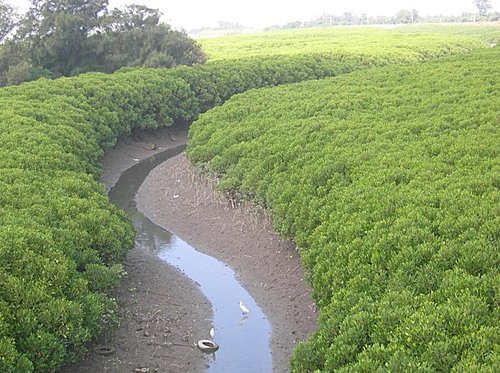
[159,326]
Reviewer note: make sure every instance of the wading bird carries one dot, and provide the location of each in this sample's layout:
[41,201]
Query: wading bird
[243,308]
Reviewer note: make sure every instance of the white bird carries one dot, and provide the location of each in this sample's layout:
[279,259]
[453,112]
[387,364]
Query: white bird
[212,333]
[243,308]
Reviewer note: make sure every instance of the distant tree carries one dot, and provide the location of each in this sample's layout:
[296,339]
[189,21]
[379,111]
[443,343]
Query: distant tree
[402,16]
[227,25]
[381,20]
[15,65]
[348,18]
[483,6]
[8,19]
[406,16]
[292,25]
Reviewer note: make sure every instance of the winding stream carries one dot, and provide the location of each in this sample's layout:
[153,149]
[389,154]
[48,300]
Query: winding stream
[243,339]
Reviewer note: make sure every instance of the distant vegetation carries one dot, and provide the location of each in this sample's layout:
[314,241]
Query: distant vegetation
[65,38]
[387,179]
[401,17]
[62,241]
[410,44]
[489,33]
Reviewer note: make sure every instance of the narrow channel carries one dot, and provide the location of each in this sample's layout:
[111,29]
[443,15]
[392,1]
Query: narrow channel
[243,339]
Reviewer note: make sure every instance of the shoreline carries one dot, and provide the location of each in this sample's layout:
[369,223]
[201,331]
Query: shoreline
[158,325]
[176,197]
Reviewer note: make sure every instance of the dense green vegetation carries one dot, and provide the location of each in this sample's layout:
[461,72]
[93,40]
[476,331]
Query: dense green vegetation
[238,63]
[377,44]
[485,32]
[61,241]
[388,181]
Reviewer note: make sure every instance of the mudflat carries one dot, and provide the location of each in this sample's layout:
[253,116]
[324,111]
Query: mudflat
[163,313]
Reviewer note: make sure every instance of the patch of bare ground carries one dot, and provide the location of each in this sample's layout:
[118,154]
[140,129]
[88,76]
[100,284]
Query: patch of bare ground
[161,317]
[176,196]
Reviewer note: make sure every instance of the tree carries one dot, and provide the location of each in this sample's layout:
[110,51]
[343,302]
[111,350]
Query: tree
[8,19]
[483,6]
[131,17]
[348,18]
[58,31]
[68,37]
[406,16]
[134,37]
[227,25]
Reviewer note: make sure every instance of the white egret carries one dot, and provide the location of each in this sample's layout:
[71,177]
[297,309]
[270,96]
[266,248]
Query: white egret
[243,308]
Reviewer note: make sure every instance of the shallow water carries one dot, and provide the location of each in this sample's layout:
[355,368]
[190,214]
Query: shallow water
[243,339]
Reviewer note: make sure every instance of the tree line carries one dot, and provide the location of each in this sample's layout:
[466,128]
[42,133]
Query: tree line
[65,38]
[403,16]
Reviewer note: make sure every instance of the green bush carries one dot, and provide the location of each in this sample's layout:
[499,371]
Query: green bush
[409,43]
[387,180]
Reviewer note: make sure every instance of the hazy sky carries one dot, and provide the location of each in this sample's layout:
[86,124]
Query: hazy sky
[189,14]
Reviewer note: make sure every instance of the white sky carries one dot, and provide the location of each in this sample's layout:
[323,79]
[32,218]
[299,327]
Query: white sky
[188,14]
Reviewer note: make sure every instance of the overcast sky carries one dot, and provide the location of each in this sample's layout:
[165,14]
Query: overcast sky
[189,14]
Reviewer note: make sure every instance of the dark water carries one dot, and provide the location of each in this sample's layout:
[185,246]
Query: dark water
[243,340]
